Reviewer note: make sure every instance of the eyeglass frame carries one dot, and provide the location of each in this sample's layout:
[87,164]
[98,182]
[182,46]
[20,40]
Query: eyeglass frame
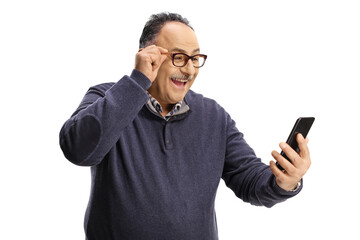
[172,55]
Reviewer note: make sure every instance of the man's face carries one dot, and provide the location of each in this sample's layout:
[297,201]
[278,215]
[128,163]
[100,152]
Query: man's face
[169,86]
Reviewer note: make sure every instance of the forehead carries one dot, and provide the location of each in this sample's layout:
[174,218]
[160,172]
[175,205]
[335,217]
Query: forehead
[176,35]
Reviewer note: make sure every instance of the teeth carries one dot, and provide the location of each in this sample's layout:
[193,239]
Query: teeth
[179,80]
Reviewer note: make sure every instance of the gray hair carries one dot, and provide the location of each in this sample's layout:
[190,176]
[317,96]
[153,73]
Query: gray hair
[154,25]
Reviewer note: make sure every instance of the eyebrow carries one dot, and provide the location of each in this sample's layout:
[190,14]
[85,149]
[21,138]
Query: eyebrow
[183,51]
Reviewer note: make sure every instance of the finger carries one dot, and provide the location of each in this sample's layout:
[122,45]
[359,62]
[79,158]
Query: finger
[286,165]
[275,170]
[163,54]
[149,60]
[302,143]
[157,61]
[154,49]
[152,55]
[162,50]
[290,153]
[304,151]
[163,57]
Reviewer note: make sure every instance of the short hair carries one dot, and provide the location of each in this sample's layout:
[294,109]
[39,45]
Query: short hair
[154,25]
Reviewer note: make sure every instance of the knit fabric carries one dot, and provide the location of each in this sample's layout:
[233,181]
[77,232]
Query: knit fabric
[154,178]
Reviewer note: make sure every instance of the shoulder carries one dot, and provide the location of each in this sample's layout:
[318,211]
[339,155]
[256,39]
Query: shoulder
[198,102]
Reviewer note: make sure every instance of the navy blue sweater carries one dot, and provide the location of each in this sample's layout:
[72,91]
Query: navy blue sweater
[157,179]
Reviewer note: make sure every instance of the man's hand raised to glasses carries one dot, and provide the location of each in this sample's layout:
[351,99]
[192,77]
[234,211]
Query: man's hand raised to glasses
[148,60]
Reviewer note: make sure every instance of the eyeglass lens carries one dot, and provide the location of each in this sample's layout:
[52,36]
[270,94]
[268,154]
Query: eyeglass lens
[181,59]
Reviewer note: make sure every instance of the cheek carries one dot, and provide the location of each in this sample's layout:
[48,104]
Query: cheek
[190,84]
[195,76]
[196,73]
[165,71]
[162,77]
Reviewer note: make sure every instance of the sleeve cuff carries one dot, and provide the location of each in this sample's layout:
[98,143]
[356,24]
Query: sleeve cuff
[288,193]
[140,79]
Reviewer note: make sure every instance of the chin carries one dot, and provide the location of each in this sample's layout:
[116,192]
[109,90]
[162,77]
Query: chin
[177,97]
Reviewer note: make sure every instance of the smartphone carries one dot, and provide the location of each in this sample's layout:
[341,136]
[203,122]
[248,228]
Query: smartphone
[302,125]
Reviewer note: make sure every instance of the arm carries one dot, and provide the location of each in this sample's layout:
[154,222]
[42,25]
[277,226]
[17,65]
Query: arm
[95,126]
[249,178]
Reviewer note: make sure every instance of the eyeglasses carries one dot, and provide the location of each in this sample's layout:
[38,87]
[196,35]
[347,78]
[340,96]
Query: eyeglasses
[181,59]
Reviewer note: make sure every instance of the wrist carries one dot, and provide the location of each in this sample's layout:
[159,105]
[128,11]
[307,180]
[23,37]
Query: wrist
[287,188]
[296,188]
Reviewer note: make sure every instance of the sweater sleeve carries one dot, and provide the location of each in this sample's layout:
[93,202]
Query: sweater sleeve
[249,178]
[104,112]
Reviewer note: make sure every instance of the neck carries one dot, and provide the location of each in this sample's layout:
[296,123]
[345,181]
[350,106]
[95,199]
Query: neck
[166,108]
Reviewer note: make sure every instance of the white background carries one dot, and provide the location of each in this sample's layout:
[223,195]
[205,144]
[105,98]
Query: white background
[269,62]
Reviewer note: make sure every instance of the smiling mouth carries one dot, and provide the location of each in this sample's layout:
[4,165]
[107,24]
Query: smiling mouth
[179,82]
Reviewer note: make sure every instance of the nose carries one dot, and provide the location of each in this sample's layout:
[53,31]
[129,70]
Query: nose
[189,68]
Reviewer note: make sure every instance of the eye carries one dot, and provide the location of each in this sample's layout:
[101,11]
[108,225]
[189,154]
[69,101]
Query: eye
[178,57]
[195,59]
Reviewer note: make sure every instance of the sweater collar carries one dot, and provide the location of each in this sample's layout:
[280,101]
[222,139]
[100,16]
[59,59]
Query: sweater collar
[178,108]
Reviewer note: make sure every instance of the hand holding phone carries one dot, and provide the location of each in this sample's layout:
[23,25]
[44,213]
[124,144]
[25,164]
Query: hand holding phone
[302,125]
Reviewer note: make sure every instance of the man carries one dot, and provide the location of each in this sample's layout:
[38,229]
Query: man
[158,150]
